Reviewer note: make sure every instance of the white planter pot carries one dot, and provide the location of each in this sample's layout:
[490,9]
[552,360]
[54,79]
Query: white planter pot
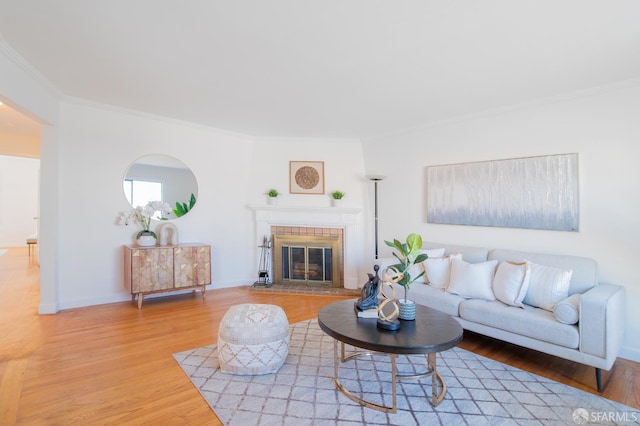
[146,241]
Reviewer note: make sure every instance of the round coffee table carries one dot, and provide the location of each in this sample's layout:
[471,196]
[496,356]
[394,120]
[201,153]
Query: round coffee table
[431,332]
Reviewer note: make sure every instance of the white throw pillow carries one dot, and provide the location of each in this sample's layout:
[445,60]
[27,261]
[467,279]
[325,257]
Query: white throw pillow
[547,286]
[511,282]
[567,311]
[438,270]
[472,280]
[416,270]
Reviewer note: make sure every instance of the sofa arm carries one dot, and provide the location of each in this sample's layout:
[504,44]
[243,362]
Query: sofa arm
[602,321]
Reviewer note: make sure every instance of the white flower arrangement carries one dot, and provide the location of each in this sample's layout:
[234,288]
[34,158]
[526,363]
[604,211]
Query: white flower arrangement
[143,215]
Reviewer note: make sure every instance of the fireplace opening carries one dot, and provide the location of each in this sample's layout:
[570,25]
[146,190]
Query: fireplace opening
[306,259]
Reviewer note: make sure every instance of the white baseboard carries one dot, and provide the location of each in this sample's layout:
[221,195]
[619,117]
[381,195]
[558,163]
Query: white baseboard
[47,308]
[632,354]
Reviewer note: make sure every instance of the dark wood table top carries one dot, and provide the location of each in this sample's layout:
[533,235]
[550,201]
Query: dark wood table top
[432,330]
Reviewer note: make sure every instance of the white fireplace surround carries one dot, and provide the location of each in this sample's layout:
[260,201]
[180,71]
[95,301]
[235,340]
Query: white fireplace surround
[349,219]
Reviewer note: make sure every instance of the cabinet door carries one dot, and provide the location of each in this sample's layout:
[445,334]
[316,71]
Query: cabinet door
[151,269]
[192,266]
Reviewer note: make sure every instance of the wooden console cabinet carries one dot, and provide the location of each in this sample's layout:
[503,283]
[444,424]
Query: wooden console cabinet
[162,269]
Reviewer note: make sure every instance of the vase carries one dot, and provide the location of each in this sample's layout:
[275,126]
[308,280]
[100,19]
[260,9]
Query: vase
[336,202]
[407,310]
[272,201]
[146,240]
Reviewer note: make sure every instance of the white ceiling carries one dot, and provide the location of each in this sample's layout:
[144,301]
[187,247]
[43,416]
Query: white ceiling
[324,68]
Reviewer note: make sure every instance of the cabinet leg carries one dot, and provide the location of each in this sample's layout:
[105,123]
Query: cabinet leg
[140,297]
[203,290]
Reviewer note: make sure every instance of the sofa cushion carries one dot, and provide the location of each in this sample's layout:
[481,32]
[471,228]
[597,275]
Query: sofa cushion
[438,270]
[472,280]
[418,269]
[511,282]
[469,254]
[585,270]
[432,297]
[532,322]
[547,286]
[415,270]
[568,310]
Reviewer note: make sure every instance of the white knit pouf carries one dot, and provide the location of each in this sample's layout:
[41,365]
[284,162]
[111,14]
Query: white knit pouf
[253,339]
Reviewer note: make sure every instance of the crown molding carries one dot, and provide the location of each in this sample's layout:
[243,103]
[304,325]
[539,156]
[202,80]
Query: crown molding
[150,116]
[564,97]
[273,139]
[29,69]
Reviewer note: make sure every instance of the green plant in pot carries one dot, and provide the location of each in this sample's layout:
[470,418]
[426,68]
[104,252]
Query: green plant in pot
[272,195]
[336,198]
[408,254]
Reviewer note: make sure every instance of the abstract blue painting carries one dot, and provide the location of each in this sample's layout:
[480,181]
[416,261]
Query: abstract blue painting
[532,192]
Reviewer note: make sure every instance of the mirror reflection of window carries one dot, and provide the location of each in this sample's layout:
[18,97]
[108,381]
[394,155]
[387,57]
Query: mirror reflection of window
[171,182]
[139,193]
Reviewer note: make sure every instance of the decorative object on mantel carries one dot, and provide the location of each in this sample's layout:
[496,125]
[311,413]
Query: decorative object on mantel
[164,230]
[336,198]
[142,216]
[272,196]
[306,177]
[375,179]
[367,304]
[409,254]
[388,320]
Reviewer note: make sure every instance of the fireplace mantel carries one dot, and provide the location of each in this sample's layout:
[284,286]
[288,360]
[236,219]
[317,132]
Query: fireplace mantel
[347,218]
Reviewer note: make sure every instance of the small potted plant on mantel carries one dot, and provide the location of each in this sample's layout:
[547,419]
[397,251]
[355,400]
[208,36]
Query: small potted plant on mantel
[336,198]
[272,196]
[408,255]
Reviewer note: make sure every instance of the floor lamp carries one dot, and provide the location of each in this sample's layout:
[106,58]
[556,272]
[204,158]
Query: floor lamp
[375,179]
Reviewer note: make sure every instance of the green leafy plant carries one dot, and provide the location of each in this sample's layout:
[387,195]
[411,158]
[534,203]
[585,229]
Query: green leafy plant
[272,193]
[408,254]
[337,195]
[182,209]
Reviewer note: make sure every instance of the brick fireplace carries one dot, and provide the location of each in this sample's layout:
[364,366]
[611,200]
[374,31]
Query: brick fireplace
[314,256]
[302,221]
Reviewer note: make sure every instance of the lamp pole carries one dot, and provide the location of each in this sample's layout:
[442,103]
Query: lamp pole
[375,179]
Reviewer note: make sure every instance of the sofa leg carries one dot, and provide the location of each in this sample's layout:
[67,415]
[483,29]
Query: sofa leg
[599,379]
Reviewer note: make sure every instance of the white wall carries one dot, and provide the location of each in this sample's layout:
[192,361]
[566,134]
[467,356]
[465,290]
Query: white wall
[98,144]
[26,91]
[19,179]
[603,128]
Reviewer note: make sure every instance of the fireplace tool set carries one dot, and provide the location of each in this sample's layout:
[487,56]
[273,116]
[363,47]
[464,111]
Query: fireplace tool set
[264,265]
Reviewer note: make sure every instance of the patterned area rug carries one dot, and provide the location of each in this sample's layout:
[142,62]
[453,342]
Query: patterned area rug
[480,391]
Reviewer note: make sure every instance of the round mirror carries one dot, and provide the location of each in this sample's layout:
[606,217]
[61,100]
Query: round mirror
[159,177]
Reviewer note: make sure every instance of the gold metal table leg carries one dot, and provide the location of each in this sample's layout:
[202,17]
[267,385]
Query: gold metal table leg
[438,386]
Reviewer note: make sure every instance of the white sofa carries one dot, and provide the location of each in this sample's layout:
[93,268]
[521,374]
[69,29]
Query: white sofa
[599,308]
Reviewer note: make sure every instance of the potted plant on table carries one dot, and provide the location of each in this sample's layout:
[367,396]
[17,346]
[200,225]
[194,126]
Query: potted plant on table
[408,254]
[142,216]
[336,198]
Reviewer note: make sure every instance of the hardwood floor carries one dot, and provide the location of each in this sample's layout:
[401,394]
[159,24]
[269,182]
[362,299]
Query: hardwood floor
[113,363]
